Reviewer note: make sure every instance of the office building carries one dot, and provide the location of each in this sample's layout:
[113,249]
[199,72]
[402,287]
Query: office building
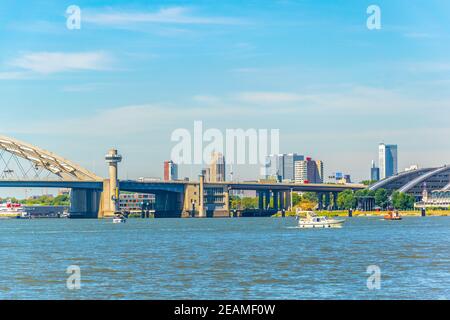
[374,172]
[275,166]
[282,166]
[289,165]
[170,171]
[217,171]
[388,161]
[340,178]
[308,171]
[206,174]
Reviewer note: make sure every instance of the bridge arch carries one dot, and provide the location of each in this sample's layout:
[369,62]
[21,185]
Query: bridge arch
[45,160]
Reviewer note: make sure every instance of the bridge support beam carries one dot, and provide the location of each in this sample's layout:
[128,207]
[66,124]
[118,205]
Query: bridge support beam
[275,200]
[260,200]
[201,192]
[84,203]
[327,201]
[267,200]
[320,200]
[335,203]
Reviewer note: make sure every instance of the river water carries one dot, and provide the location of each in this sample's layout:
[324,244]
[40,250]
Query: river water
[254,258]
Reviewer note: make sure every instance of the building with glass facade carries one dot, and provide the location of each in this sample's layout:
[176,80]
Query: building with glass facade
[308,171]
[388,161]
[374,172]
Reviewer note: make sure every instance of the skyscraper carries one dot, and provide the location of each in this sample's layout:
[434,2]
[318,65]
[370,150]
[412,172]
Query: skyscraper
[289,165]
[374,172]
[170,171]
[217,167]
[282,166]
[388,160]
[308,171]
[275,166]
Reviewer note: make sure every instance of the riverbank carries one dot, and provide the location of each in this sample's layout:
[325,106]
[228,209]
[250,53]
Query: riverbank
[344,213]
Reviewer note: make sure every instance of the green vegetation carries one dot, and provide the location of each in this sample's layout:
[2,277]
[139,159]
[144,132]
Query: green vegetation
[306,201]
[382,198]
[402,201]
[346,200]
[238,203]
[62,200]
[368,182]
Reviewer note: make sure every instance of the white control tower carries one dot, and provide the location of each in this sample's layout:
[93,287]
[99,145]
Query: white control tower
[113,159]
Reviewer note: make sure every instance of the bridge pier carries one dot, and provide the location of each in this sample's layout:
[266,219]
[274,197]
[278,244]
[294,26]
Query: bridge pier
[267,200]
[260,200]
[335,203]
[327,201]
[282,200]
[84,203]
[320,200]
[275,200]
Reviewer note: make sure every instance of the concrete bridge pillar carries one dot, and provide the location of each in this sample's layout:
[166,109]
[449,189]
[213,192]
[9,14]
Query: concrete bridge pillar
[282,200]
[260,200]
[320,200]
[327,200]
[275,199]
[201,192]
[335,203]
[267,200]
[84,203]
[289,200]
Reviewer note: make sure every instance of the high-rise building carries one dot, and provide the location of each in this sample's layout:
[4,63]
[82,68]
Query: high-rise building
[308,171]
[275,166]
[387,160]
[217,168]
[374,172]
[319,173]
[282,166]
[289,165]
[170,171]
[206,174]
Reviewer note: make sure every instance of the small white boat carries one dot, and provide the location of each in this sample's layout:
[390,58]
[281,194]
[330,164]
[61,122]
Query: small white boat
[312,220]
[119,219]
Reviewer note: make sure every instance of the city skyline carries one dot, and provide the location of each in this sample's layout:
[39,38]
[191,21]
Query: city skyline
[244,68]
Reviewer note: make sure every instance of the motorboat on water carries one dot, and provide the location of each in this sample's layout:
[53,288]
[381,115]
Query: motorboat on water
[393,215]
[312,220]
[119,218]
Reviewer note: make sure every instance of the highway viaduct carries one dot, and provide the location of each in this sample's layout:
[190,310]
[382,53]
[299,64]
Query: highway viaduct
[96,197]
[90,199]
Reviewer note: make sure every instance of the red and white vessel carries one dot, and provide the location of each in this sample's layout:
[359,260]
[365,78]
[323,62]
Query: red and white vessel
[12,210]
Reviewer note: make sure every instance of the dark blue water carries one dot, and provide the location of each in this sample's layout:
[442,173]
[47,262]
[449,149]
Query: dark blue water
[224,259]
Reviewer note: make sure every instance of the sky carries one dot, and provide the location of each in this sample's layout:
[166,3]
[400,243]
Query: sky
[138,70]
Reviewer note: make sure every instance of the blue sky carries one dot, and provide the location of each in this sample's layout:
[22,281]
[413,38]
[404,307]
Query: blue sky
[138,70]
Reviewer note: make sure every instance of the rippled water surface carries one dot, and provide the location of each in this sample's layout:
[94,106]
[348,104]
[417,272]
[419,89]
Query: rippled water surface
[255,258]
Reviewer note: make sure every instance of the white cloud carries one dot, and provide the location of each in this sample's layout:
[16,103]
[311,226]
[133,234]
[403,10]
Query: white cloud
[432,66]
[420,35]
[270,97]
[53,62]
[171,15]
[13,75]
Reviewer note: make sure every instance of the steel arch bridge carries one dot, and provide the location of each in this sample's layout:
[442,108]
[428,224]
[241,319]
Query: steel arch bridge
[24,165]
[39,163]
